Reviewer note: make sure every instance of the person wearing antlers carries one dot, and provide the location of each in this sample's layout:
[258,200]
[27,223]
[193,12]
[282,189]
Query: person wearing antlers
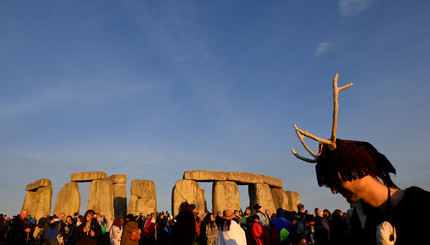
[384,214]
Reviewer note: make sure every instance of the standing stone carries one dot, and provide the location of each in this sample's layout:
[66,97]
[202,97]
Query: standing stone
[225,195]
[293,200]
[68,200]
[38,198]
[143,198]
[119,194]
[187,190]
[88,176]
[280,198]
[101,198]
[261,194]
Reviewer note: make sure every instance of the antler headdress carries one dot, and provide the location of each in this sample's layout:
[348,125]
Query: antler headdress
[344,160]
[332,141]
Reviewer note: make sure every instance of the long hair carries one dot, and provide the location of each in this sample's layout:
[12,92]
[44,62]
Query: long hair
[225,224]
[207,220]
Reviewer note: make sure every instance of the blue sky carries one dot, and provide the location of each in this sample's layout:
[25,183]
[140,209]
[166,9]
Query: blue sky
[151,89]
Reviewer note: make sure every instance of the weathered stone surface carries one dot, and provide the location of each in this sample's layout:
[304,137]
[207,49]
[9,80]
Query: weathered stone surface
[88,176]
[244,178]
[225,195]
[261,194]
[272,182]
[68,200]
[143,197]
[120,199]
[187,190]
[101,198]
[118,178]
[203,175]
[293,200]
[280,198]
[38,184]
[38,203]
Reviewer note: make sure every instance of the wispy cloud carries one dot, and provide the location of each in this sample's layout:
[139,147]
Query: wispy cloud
[322,48]
[348,8]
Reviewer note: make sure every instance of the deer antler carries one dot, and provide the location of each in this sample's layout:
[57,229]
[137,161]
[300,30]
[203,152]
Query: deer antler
[332,141]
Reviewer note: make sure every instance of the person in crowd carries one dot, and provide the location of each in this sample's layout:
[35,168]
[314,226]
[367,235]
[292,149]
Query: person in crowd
[300,208]
[20,231]
[162,229]
[53,230]
[298,228]
[115,232]
[218,219]
[322,229]
[130,226]
[68,230]
[149,229]
[310,228]
[230,232]
[38,232]
[88,232]
[245,216]
[256,230]
[337,228]
[75,217]
[185,226]
[237,218]
[208,230]
[359,172]
[264,223]
[300,240]
[171,225]
[281,228]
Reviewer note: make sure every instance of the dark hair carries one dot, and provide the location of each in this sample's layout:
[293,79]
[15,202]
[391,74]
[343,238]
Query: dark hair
[117,221]
[130,217]
[185,207]
[207,220]
[225,224]
[89,211]
[352,160]
[73,221]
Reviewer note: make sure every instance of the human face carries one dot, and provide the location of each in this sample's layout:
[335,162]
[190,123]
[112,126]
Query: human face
[61,217]
[89,217]
[212,217]
[69,220]
[23,214]
[302,242]
[350,190]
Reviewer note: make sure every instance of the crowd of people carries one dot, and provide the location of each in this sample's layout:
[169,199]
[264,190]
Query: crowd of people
[188,227]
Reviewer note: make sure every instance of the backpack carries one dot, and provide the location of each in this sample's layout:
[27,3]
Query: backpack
[135,235]
[284,235]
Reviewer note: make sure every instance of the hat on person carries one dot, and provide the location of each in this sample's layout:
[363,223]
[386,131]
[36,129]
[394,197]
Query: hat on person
[256,206]
[227,214]
[352,160]
[344,160]
[193,206]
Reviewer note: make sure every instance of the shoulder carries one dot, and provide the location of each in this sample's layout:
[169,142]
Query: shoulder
[415,196]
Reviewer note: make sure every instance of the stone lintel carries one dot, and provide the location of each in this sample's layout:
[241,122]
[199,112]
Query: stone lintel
[38,184]
[117,178]
[88,176]
[204,175]
[272,182]
[245,178]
